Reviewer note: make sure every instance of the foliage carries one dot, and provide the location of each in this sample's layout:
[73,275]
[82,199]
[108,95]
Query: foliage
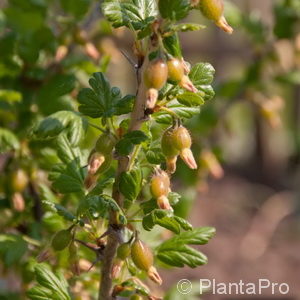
[57,100]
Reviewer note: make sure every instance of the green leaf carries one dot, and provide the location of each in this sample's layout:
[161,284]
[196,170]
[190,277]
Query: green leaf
[165,219]
[172,45]
[155,156]
[198,236]
[174,9]
[126,144]
[77,8]
[174,198]
[49,98]
[12,248]
[100,186]
[187,27]
[8,141]
[135,13]
[47,279]
[130,183]
[65,151]
[67,178]
[60,210]
[181,110]
[39,293]
[184,224]
[291,77]
[100,206]
[208,92]
[180,255]
[10,96]
[71,123]
[134,286]
[102,100]
[176,252]
[125,105]
[202,74]
[190,99]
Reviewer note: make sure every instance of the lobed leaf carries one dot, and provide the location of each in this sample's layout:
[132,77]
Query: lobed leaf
[60,210]
[131,13]
[12,248]
[126,144]
[69,122]
[101,185]
[100,206]
[130,183]
[181,110]
[165,219]
[180,255]
[47,279]
[8,140]
[176,252]
[102,100]
[190,99]
[67,179]
[174,9]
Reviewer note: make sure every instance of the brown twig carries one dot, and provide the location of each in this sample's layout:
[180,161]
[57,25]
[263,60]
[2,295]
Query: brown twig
[137,118]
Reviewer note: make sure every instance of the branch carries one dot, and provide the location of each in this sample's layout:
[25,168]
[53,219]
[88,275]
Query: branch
[137,119]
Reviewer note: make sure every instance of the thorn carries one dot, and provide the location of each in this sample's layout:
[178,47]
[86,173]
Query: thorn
[135,65]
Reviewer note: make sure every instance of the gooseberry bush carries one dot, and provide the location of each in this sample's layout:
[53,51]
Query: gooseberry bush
[112,195]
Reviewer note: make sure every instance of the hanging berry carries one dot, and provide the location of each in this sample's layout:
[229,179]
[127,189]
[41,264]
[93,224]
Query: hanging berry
[160,188]
[123,252]
[100,158]
[62,239]
[213,10]
[177,141]
[183,142]
[155,77]
[143,259]
[169,151]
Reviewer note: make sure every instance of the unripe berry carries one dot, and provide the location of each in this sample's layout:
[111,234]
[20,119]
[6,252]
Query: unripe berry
[105,143]
[175,69]
[169,151]
[183,142]
[181,138]
[213,10]
[177,141]
[62,239]
[96,160]
[156,74]
[160,184]
[123,251]
[143,258]
[167,145]
[19,180]
[141,255]
[136,297]
[100,158]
